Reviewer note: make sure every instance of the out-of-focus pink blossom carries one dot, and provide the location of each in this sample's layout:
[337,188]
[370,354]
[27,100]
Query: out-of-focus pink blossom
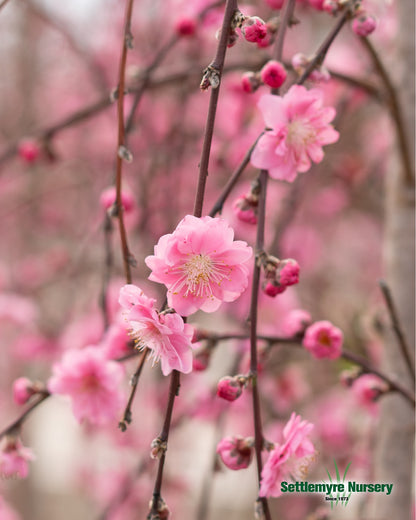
[108,198]
[235,452]
[166,335]
[323,340]
[115,341]
[22,390]
[364,24]
[273,74]
[201,265]
[92,382]
[14,458]
[185,26]
[296,321]
[367,389]
[6,512]
[245,210]
[229,388]
[300,127]
[18,309]
[290,459]
[254,29]
[28,150]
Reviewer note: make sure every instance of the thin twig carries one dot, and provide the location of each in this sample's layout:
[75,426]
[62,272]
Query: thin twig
[16,424]
[323,49]
[395,110]
[4,3]
[218,64]
[404,347]
[258,431]
[127,415]
[107,268]
[127,257]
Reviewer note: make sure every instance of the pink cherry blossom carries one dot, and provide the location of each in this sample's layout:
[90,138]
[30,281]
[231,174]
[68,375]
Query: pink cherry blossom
[235,452]
[290,459]
[91,381]
[298,127]
[323,340]
[201,265]
[14,458]
[166,335]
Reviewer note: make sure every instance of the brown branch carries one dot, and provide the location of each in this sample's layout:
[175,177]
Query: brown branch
[404,347]
[258,431]
[15,425]
[4,3]
[395,110]
[127,257]
[218,65]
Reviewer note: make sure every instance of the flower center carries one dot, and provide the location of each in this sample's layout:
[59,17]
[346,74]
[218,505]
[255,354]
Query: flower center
[324,339]
[198,269]
[300,133]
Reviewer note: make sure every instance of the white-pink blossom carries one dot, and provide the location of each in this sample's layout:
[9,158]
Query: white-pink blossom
[298,126]
[201,265]
[92,382]
[165,334]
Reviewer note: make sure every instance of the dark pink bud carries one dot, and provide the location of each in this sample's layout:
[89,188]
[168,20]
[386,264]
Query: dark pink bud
[288,272]
[235,452]
[29,150]
[108,198]
[273,74]
[185,26]
[272,288]
[254,29]
[229,388]
[364,24]
[245,210]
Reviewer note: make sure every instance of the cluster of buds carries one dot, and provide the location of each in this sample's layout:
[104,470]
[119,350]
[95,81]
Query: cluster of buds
[236,452]
[252,28]
[300,62]
[279,274]
[231,387]
[245,207]
[24,389]
[273,74]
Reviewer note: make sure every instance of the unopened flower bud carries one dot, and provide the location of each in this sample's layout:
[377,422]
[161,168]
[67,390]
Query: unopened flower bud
[250,82]
[331,6]
[29,150]
[364,24]
[288,272]
[368,388]
[229,388]
[185,26]
[273,74]
[254,29]
[272,288]
[236,452]
[22,390]
[108,199]
[125,154]
[158,448]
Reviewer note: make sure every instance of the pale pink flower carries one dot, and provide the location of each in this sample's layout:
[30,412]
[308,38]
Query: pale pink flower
[235,452]
[323,340]
[166,335]
[201,265]
[14,458]
[290,459]
[298,127]
[91,381]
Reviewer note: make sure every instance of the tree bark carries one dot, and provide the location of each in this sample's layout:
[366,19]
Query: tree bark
[395,435]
